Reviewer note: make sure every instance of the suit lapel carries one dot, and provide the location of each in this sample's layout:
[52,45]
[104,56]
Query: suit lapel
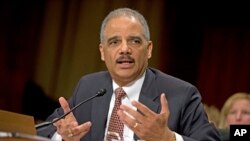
[100,113]
[149,93]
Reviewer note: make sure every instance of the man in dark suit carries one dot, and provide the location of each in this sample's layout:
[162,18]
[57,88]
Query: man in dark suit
[156,106]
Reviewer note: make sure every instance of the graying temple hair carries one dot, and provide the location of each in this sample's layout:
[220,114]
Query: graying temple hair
[125,12]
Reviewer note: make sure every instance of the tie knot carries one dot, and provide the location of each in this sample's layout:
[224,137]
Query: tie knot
[119,93]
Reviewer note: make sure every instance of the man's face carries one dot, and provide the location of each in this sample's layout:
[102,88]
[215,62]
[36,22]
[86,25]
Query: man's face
[125,49]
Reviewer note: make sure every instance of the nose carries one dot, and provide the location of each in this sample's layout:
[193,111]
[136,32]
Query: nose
[238,116]
[125,49]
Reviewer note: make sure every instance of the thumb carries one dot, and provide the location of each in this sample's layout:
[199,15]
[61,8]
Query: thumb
[164,104]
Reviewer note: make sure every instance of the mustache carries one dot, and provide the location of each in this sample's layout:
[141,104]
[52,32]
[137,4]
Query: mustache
[125,58]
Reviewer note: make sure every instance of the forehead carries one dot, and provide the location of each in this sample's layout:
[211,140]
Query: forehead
[242,102]
[123,24]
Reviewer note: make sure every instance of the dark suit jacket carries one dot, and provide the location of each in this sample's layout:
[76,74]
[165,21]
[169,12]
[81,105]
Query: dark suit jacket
[187,116]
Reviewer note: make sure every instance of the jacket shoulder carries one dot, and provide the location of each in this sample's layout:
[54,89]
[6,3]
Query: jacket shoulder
[163,78]
[96,77]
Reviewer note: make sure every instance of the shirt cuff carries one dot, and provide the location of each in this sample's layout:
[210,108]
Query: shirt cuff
[178,137]
[56,137]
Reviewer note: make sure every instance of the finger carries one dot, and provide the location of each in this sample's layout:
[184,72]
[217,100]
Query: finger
[65,127]
[126,119]
[85,128]
[132,113]
[76,133]
[56,123]
[164,104]
[64,104]
[81,129]
[164,114]
[143,109]
[62,126]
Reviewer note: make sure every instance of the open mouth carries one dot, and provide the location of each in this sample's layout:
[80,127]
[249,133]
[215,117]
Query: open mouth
[124,61]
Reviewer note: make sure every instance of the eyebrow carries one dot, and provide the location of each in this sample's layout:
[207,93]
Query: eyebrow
[135,37]
[129,38]
[112,38]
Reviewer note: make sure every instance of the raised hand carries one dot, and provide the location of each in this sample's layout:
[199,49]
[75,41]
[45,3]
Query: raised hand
[146,124]
[68,128]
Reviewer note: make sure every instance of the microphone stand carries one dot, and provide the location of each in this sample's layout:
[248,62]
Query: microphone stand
[101,92]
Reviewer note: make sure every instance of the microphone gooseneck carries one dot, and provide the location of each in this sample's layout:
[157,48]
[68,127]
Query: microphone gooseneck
[99,93]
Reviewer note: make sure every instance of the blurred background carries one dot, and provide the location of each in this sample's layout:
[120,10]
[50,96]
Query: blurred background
[47,45]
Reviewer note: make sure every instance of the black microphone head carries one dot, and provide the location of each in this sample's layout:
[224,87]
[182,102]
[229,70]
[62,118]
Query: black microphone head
[101,92]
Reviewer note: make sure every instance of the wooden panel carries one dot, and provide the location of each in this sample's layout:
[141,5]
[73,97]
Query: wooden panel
[14,122]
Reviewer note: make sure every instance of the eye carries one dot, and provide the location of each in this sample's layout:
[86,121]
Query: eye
[232,113]
[135,42]
[114,42]
[246,112]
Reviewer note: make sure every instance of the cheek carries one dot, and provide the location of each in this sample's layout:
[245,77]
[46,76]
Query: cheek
[230,118]
[109,56]
[247,118]
[141,54]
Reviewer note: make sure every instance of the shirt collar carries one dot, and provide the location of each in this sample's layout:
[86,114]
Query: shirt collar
[133,88]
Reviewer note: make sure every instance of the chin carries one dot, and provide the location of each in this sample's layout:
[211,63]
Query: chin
[125,74]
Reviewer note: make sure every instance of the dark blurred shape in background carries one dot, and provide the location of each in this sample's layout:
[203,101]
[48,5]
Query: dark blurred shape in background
[36,103]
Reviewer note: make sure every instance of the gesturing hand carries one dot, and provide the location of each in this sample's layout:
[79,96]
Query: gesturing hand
[68,127]
[146,124]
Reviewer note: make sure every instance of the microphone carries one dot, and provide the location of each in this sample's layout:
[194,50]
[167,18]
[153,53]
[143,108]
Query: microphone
[99,93]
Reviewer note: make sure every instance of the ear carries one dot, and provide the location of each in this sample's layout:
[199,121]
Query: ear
[150,48]
[101,51]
